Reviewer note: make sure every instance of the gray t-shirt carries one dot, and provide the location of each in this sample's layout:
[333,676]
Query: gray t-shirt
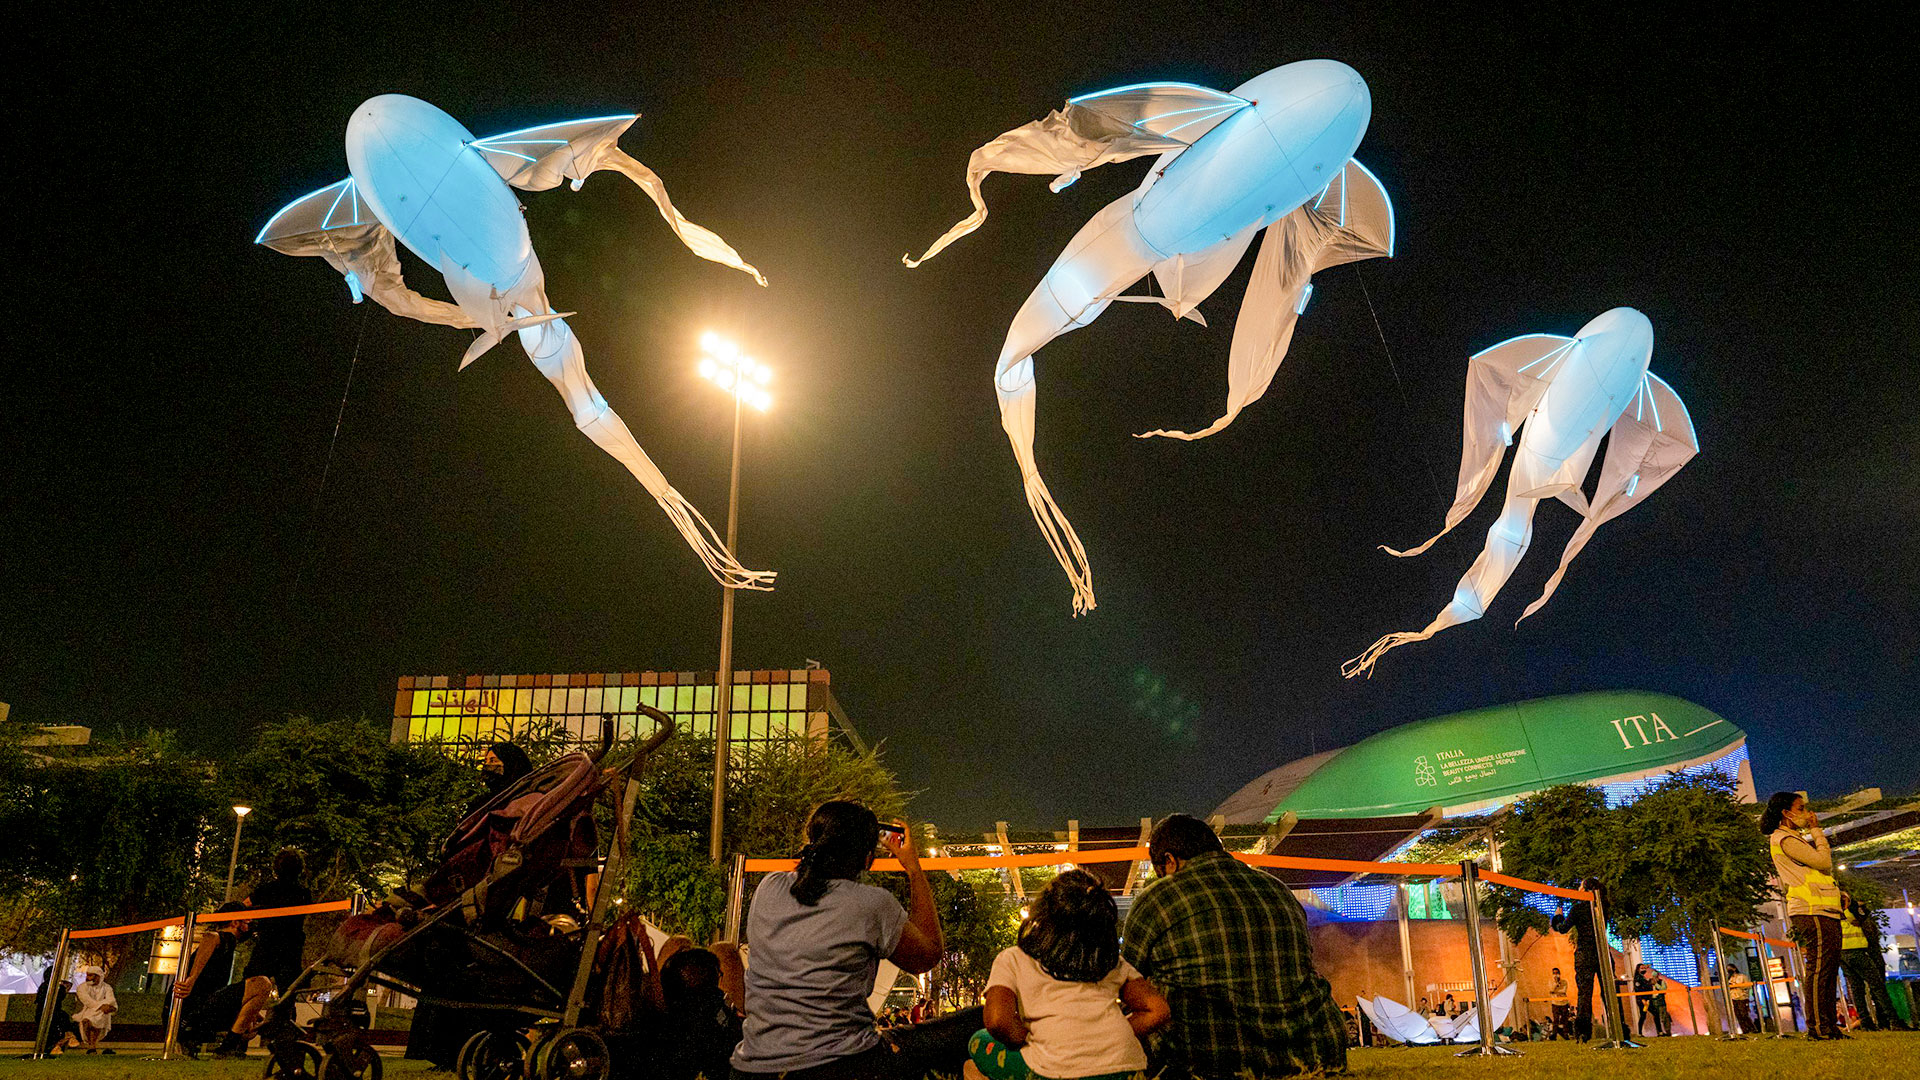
[809,971]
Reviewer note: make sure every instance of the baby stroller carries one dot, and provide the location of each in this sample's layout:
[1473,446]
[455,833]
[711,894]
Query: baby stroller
[502,933]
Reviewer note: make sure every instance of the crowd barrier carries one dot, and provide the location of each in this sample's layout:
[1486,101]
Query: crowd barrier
[171,1047]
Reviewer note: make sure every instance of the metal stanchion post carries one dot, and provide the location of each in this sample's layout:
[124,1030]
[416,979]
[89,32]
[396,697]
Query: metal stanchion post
[1732,1033]
[1773,1005]
[1483,1000]
[1406,945]
[1609,994]
[170,1049]
[50,995]
[736,896]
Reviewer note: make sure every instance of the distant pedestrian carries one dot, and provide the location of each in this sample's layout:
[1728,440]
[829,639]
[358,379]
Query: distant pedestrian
[1557,994]
[1804,864]
[1228,946]
[1450,1008]
[61,1033]
[1653,1005]
[1866,967]
[279,946]
[1577,922]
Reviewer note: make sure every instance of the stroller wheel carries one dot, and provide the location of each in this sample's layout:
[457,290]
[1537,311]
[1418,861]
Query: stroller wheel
[492,1055]
[358,1061]
[294,1061]
[574,1054]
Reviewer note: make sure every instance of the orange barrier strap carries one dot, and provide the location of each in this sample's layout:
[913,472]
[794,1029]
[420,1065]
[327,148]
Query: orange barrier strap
[115,931]
[1757,937]
[229,916]
[1533,886]
[1133,854]
[274,913]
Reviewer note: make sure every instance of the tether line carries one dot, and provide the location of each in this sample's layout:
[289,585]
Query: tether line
[326,469]
[1406,406]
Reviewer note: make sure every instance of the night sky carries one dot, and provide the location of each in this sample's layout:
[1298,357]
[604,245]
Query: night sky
[171,558]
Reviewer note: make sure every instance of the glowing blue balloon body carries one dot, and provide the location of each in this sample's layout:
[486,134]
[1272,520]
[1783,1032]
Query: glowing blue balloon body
[419,175]
[1275,154]
[1563,395]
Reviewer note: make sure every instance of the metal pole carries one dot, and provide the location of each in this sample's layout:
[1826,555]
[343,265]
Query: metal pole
[1609,995]
[170,1049]
[1733,1033]
[50,995]
[1482,999]
[723,679]
[233,861]
[1772,1016]
[736,896]
[1406,945]
[1509,964]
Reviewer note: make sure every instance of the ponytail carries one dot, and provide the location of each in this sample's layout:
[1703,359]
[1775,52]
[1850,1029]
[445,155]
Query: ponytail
[841,837]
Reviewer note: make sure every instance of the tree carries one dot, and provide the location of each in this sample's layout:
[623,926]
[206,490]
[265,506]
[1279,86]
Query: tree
[368,814]
[1559,835]
[100,839]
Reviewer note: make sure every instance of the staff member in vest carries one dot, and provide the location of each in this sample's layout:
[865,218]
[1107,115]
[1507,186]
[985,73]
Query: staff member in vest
[1804,864]
[1866,971]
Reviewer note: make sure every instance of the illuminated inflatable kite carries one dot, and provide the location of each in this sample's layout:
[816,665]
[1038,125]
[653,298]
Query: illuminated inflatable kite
[1276,151]
[416,173]
[1568,392]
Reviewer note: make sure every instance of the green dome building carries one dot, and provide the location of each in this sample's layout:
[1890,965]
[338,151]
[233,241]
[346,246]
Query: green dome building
[1468,762]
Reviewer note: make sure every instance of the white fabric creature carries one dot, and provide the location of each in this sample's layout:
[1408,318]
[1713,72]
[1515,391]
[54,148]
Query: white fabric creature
[1568,393]
[1277,151]
[415,173]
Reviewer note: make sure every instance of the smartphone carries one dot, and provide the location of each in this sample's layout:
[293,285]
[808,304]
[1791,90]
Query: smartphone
[897,828]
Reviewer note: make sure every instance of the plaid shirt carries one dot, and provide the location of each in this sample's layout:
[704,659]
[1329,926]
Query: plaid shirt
[1227,944]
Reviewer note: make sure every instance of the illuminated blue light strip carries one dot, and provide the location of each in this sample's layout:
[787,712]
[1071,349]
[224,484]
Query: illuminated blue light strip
[1211,113]
[1384,197]
[327,222]
[1141,86]
[1640,401]
[522,142]
[562,123]
[1518,337]
[282,212]
[509,153]
[1651,400]
[1692,435]
[1554,354]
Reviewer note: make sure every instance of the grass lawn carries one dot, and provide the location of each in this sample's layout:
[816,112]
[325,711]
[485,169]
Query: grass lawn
[1867,1057]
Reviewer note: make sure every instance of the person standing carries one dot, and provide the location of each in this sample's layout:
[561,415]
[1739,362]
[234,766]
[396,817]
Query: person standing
[1740,992]
[279,946]
[1577,921]
[1562,1007]
[1861,959]
[1652,984]
[817,936]
[1804,864]
[1228,946]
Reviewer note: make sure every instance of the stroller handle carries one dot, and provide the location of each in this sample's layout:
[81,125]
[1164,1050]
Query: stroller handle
[664,730]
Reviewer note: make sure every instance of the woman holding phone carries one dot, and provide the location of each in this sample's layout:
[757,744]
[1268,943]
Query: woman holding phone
[1804,863]
[817,937]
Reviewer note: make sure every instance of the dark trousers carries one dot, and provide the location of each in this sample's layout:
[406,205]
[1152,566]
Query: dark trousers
[1867,981]
[1655,1007]
[1819,939]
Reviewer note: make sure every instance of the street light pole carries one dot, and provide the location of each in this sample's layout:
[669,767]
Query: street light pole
[233,861]
[723,679]
[725,366]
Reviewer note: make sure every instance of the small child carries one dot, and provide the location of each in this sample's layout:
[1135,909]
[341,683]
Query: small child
[1061,1004]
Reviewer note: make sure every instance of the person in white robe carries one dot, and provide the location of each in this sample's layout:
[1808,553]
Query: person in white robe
[97,1006]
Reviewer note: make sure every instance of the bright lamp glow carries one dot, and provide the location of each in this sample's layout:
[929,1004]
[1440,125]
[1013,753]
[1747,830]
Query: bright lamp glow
[243,811]
[725,366]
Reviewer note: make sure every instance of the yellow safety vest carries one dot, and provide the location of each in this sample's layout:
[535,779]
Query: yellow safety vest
[1815,893]
[1851,936]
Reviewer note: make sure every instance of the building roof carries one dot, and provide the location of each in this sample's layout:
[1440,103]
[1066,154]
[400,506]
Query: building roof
[1471,761]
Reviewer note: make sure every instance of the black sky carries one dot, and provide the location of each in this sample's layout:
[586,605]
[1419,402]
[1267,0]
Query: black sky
[169,556]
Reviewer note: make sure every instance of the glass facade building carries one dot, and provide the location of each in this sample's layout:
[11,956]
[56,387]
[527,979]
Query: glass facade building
[767,705]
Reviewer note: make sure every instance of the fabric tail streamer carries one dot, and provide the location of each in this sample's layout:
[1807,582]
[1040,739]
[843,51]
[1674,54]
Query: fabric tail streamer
[1067,142]
[1105,257]
[1507,541]
[557,353]
[701,241]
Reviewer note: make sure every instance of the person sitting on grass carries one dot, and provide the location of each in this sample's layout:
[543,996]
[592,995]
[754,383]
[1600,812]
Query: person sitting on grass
[206,1002]
[1061,1003]
[97,1006]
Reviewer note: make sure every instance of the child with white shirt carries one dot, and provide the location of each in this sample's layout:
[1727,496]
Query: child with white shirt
[1061,1004]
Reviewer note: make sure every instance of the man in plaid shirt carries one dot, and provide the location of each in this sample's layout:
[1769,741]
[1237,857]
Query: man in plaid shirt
[1227,944]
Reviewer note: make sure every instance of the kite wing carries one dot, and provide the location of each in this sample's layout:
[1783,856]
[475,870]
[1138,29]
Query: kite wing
[1504,384]
[1352,219]
[335,224]
[1093,130]
[1402,1023]
[538,158]
[1648,444]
